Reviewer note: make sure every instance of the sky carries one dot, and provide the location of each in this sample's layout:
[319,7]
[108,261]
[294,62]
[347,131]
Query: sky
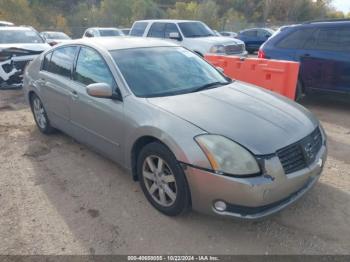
[342,5]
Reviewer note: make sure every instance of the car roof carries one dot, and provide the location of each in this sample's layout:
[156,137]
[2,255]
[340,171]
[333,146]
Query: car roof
[318,23]
[24,28]
[103,28]
[48,32]
[167,21]
[124,42]
[329,21]
[6,23]
[256,28]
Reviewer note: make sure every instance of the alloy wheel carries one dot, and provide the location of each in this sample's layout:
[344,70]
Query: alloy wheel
[159,181]
[39,113]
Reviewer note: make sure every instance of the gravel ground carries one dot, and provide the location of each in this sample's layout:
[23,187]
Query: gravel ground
[58,197]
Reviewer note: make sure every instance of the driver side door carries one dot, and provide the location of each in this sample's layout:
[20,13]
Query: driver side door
[98,122]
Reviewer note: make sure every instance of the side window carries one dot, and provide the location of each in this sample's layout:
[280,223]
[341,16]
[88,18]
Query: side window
[295,39]
[170,28]
[251,33]
[91,68]
[263,34]
[89,33]
[62,61]
[46,62]
[330,39]
[138,29]
[157,30]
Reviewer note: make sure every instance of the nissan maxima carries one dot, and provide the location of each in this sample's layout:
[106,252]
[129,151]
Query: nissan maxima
[192,137]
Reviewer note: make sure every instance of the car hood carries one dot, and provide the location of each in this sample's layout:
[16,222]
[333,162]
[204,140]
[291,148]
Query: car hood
[257,119]
[9,50]
[216,40]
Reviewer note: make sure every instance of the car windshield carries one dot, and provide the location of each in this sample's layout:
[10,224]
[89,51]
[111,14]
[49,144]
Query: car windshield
[110,32]
[195,29]
[9,36]
[166,71]
[57,35]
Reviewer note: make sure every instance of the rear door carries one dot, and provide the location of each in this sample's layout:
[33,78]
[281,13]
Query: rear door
[97,122]
[326,59]
[55,81]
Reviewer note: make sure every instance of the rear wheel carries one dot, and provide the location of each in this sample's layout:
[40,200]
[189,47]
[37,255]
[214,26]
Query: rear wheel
[40,115]
[162,180]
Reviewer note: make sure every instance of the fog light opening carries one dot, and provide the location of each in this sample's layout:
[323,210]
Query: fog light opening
[220,206]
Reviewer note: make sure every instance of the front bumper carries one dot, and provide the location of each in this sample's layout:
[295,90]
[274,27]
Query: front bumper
[256,197]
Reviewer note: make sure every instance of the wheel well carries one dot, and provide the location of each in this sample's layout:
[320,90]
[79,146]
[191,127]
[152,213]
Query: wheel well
[137,147]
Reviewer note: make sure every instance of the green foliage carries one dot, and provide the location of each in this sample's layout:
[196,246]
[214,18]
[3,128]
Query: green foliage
[73,16]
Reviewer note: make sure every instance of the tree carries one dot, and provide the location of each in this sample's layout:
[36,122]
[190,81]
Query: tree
[17,11]
[76,15]
[145,9]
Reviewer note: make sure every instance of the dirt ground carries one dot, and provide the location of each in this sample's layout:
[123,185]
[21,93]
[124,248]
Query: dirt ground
[58,197]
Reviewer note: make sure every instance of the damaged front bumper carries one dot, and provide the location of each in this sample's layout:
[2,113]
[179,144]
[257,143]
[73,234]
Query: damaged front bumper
[252,198]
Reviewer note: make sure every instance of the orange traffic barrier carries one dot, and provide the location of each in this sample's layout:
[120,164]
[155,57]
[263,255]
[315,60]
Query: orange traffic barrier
[278,76]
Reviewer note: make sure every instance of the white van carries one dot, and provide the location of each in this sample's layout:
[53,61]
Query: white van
[194,35]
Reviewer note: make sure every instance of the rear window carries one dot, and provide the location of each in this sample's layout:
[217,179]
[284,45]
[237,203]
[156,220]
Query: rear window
[138,29]
[296,39]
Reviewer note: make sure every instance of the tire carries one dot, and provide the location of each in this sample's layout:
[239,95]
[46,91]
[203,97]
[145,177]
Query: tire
[40,116]
[157,179]
[299,93]
[251,52]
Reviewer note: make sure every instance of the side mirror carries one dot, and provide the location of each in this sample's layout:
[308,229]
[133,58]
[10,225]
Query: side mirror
[100,90]
[175,36]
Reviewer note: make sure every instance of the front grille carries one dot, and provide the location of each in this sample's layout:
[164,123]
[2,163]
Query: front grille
[234,49]
[301,154]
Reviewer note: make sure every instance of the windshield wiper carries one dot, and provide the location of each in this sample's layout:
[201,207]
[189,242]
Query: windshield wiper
[210,85]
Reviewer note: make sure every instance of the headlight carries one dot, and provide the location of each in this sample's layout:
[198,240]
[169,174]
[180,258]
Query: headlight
[217,49]
[227,156]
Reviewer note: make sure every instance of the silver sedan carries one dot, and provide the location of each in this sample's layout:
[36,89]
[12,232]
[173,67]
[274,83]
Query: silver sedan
[192,137]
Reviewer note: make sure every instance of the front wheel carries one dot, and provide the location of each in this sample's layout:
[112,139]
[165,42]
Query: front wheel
[162,180]
[40,115]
